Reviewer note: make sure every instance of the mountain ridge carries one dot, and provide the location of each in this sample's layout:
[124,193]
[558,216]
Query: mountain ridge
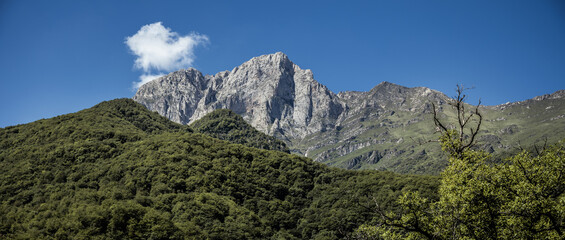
[279,93]
[350,129]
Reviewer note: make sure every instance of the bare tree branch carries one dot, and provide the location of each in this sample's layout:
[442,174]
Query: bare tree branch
[466,134]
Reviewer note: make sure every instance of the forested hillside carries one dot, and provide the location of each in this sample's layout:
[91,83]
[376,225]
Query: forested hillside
[119,171]
[226,125]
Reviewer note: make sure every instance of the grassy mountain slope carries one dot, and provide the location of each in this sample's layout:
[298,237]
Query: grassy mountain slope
[119,171]
[388,138]
[524,124]
[227,125]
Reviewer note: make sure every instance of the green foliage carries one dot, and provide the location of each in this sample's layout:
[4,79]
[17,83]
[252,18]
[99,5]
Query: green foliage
[521,198]
[118,171]
[227,125]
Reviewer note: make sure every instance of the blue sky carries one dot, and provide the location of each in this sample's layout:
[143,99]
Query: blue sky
[58,57]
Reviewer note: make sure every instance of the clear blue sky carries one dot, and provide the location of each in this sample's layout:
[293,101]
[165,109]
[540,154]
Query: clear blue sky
[58,57]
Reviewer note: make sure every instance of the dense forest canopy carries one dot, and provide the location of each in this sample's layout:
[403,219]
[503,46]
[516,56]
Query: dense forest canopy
[118,171]
[227,125]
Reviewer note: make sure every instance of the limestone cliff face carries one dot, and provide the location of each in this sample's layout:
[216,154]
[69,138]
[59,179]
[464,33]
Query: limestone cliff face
[271,93]
[175,96]
[279,98]
[378,129]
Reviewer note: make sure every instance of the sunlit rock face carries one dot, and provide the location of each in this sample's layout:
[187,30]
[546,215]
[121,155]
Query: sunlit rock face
[377,129]
[273,94]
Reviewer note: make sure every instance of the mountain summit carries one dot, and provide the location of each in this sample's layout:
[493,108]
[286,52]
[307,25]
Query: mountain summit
[379,128]
[271,93]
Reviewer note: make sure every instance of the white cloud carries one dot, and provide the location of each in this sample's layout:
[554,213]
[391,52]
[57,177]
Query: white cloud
[145,78]
[158,48]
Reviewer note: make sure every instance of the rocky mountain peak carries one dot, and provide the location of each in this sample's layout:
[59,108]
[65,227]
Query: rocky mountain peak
[386,83]
[274,57]
[556,95]
[271,93]
[277,60]
[351,129]
[275,96]
[387,87]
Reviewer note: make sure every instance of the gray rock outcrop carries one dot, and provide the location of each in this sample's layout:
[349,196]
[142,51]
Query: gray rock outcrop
[380,129]
[279,98]
[271,93]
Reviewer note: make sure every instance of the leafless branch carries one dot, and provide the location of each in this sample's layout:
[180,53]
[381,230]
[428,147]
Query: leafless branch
[467,134]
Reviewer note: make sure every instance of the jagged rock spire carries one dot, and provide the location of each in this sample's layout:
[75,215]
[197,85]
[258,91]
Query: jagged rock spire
[270,92]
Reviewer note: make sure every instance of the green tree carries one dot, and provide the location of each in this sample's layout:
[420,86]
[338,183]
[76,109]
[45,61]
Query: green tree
[520,198]
[120,171]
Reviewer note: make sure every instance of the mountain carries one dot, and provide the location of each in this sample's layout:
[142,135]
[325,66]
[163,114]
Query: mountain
[271,93]
[120,171]
[378,129]
[226,125]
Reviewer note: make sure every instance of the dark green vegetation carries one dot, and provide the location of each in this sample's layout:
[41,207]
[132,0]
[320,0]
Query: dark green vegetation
[118,171]
[226,125]
[521,197]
